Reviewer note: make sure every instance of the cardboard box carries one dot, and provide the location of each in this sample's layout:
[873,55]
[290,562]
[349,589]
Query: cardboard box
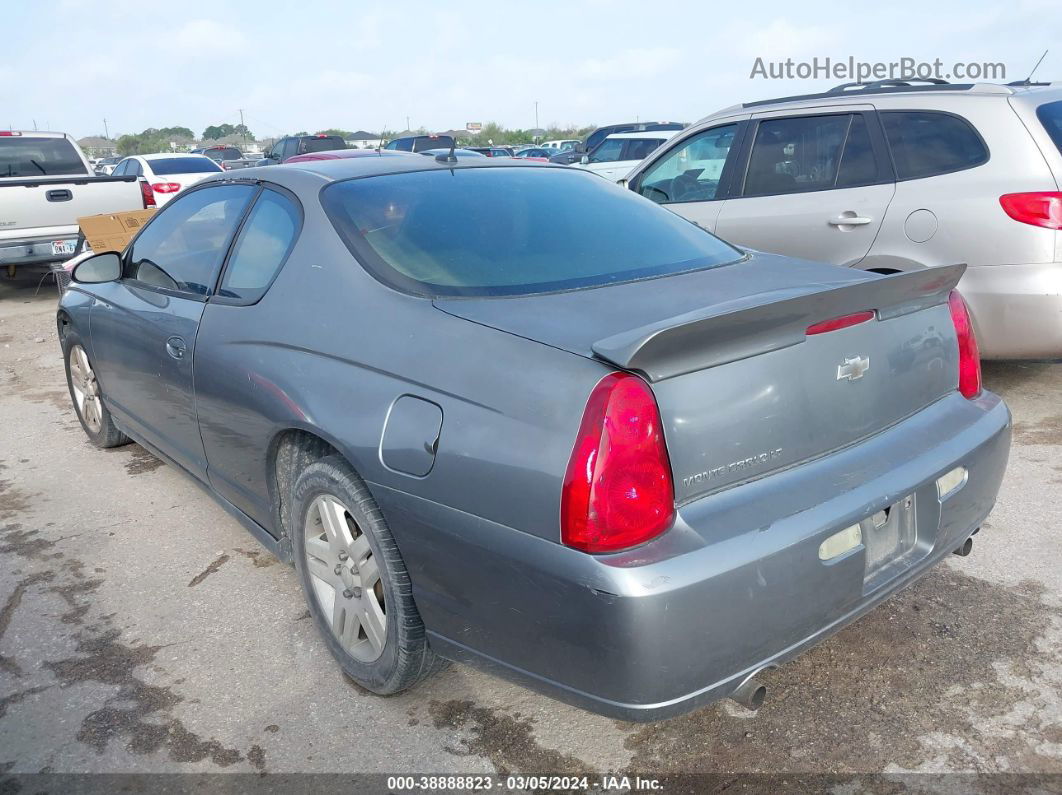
[112,231]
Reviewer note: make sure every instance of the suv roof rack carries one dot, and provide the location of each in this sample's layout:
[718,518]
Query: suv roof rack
[875,87]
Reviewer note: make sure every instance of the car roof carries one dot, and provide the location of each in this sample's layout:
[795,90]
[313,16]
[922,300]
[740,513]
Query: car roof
[165,155]
[311,172]
[661,134]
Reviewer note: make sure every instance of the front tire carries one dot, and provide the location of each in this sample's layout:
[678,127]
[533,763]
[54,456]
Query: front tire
[355,581]
[88,400]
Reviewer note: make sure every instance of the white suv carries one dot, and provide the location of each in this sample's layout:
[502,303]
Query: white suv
[892,176]
[614,157]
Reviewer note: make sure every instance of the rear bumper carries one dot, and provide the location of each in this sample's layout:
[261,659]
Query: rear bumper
[1017,309]
[735,586]
[28,251]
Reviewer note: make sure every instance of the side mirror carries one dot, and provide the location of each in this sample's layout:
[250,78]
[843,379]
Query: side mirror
[100,268]
[584,160]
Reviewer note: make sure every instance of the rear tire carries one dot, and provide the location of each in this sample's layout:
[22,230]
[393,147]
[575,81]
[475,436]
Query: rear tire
[87,397]
[356,584]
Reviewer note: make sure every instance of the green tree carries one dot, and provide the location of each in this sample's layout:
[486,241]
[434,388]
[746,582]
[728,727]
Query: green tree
[344,134]
[215,131]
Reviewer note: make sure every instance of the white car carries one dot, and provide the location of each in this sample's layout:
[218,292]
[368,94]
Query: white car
[167,173]
[561,146]
[620,152]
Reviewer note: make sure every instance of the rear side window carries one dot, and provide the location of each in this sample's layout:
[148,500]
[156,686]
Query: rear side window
[478,231]
[264,243]
[641,148]
[1050,116]
[182,247]
[858,164]
[796,154]
[422,142]
[24,156]
[928,143]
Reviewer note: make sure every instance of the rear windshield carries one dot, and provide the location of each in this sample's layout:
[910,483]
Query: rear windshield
[512,231]
[1050,116]
[422,142]
[183,165]
[307,145]
[227,153]
[23,156]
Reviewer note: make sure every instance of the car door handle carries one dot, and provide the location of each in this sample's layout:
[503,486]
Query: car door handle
[850,220]
[175,347]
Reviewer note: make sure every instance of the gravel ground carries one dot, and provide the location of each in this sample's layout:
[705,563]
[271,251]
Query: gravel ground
[143,630]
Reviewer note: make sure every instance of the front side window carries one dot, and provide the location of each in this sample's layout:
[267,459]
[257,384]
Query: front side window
[795,154]
[264,243]
[182,247]
[478,231]
[1050,116]
[609,152]
[928,143]
[690,172]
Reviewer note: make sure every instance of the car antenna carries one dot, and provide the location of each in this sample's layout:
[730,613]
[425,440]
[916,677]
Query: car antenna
[1028,80]
[449,157]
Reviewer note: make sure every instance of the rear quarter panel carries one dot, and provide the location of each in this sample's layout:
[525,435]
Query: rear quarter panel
[329,349]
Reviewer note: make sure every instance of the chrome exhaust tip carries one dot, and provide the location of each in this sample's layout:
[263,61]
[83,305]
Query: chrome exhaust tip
[965,549]
[750,693]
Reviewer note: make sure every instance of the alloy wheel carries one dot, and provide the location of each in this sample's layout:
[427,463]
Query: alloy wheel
[345,578]
[86,389]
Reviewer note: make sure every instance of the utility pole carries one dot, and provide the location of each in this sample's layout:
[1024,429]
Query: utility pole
[536,114]
[106,132]
[243,129]
[407,123]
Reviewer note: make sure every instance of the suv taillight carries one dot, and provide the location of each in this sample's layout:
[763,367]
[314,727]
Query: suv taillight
[969,358]
[147,195]
[1041,208]
[618,490]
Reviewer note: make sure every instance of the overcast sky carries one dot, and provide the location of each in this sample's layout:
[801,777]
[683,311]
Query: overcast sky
[68,64]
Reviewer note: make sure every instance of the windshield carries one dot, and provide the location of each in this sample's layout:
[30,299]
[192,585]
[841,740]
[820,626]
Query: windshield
[183,165]
[22,156]
[608,152]
[482,231]
[1050,116]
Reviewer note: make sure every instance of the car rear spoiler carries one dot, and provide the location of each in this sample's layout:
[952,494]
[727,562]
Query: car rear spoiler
[707,338]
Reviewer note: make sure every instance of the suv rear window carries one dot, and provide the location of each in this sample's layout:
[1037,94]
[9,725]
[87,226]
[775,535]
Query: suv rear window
[478,231]
[928,143]
[307,145]
[23,156]
[1050,116]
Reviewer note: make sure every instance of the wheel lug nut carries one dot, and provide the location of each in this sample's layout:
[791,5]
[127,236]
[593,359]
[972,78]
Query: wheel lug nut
[356,591]
[338,569]
[348,593]
[343,555]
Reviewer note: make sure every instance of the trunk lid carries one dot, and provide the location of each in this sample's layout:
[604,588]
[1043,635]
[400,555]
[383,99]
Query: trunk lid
[742,390]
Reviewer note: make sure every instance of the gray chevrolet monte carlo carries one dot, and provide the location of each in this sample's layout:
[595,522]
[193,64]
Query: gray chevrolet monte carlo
[517,416]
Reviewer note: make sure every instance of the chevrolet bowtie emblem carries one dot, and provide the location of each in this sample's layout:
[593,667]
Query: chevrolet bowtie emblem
[853,369]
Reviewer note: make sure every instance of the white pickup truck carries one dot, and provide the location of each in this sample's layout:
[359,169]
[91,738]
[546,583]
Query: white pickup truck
[46,184]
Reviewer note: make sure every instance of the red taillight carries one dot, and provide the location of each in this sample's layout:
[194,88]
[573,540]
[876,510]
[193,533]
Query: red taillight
[9,132]
[833,324]
[618,491]
[166,187]
[147,195]
[1041,208]
[969,358]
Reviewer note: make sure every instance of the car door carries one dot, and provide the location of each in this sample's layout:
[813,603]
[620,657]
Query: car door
[144,326]
[235,401]
[691,177]
[814,186]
